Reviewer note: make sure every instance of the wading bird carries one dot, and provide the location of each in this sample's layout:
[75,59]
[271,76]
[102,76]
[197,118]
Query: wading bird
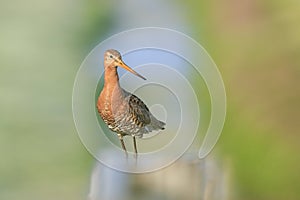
[124,113]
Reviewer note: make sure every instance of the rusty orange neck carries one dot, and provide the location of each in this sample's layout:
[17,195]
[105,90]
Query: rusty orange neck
[111,82]
[111,95]
[111,77]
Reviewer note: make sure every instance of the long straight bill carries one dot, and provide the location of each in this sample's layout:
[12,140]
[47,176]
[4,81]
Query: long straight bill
[123,65]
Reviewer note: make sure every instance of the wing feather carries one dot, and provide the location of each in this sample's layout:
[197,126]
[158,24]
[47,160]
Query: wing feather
[139,110]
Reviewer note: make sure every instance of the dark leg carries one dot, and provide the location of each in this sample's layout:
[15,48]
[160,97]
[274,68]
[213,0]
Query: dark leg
[122,143]
[134,145]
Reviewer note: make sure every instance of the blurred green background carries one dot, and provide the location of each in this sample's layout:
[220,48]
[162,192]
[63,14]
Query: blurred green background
[256,45]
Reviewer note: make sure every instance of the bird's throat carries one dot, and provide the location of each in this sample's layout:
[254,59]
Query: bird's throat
[111,82]
[111,76]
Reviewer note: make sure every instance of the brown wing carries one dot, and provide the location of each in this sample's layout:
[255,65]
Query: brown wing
[139,111]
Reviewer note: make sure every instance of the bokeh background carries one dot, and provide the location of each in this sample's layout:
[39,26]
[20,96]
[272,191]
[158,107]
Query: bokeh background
[256,45]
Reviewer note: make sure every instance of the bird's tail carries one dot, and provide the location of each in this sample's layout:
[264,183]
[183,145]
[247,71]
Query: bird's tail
[155,125]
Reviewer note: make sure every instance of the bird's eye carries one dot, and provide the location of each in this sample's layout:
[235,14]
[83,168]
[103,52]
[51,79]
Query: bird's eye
[111,56]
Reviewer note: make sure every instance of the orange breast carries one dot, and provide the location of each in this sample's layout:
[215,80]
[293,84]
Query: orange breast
[110,103]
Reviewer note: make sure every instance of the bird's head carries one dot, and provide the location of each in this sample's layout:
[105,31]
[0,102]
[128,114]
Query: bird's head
[112,58]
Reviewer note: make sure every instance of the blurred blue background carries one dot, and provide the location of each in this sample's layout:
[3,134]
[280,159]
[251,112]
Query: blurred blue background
[254,43]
